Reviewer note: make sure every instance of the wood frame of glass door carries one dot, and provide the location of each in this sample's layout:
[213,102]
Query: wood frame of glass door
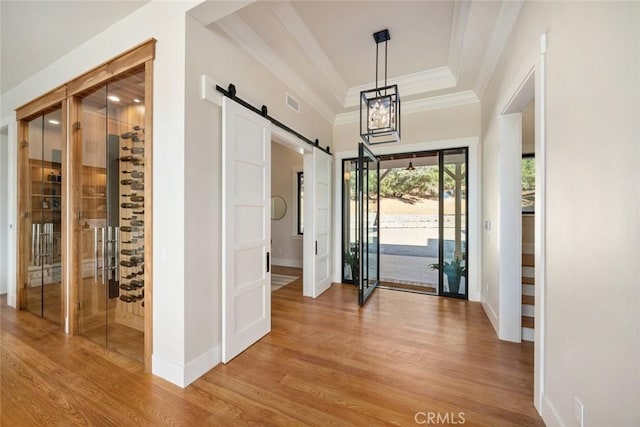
[66,96]
[53,100]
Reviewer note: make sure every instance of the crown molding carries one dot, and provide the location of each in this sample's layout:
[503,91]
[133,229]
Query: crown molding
[417,106]
[410,84]
[247,38]
[296,27]
[507,16]
[458,32]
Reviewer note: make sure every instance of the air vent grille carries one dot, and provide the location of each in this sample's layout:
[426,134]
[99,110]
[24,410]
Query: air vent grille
[293,103]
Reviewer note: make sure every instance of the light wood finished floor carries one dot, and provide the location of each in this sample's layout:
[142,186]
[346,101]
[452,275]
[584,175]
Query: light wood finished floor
[326,362]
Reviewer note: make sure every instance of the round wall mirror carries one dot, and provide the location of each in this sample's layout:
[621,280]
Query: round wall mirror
[278,207]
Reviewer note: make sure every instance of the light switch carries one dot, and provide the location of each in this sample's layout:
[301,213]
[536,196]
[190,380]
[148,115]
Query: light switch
[487,225]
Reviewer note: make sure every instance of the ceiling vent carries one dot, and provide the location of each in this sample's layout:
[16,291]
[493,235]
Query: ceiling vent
[293,103]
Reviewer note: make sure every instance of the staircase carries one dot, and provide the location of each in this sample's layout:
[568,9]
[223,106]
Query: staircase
[528,296]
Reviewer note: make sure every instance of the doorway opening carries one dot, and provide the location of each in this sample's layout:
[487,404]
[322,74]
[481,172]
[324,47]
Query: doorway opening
[287,219]
[4,210]
[423,222]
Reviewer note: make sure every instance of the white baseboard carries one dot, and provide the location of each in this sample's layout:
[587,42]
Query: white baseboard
[202,364]
[11,300]
[182,376]
[528,334]
[284,262]
[549,414]
[491,314]
[170,371]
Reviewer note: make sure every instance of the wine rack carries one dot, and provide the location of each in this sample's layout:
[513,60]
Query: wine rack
[131,256]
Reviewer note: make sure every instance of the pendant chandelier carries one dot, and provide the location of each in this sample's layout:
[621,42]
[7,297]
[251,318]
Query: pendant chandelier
[380,107]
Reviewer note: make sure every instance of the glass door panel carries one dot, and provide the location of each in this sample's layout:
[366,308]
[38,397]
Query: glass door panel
[350,250]
[367,210]
[51,229]
[44,268]
[453,224]
[92,289]
[112,243]
[36,172]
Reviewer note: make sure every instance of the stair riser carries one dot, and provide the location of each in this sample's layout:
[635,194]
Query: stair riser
[528,334]
[528,272]
[528,290]
[528,310]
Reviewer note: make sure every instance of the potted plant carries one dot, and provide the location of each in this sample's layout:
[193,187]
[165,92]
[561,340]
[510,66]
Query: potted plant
[351,261]
[454,270]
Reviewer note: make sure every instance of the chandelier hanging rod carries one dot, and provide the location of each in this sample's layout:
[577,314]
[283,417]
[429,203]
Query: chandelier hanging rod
[379,37]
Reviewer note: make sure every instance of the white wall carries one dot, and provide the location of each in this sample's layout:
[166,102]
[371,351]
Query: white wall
[591,348]
[432,125]
[164,21]
[528,130]
[286,244]
[212,53]
[4,209]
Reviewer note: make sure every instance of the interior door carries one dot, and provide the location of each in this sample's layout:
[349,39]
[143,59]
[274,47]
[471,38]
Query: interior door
[246,228]
[368,213]
[111,232]
[42,244]
[317,237]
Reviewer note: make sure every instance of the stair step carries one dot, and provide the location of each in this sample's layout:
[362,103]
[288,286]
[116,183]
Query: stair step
[528,334]
[528,299]
[528,322]
[528,281]
[528,260]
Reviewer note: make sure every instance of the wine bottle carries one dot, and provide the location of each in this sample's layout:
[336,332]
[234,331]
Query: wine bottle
[130,205]
[137,186]
[137,223]
[136,174]
[137,259]
[130,159]
[137,150]
[135,198]
[130,182]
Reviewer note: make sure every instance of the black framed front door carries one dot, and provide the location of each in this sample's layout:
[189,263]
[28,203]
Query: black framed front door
[368,213]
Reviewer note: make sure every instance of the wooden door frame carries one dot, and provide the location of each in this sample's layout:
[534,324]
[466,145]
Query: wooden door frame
[51,101]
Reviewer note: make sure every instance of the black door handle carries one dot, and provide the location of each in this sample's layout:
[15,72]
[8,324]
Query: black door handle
[268,266]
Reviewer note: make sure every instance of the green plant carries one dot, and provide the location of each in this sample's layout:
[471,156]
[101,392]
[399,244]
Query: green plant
[454,271]
[454,265]
[351,259]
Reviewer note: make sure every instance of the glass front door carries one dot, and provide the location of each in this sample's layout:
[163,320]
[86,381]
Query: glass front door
[368,213]
[420,226]
[111,287]
[43,295]
[453,223]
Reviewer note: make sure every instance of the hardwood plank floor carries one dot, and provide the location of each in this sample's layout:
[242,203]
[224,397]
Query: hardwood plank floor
[326,362]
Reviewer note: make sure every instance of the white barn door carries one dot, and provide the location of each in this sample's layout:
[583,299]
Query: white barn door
[317,237]
[246,228]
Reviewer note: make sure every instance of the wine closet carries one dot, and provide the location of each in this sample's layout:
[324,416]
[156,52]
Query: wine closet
[84,204]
